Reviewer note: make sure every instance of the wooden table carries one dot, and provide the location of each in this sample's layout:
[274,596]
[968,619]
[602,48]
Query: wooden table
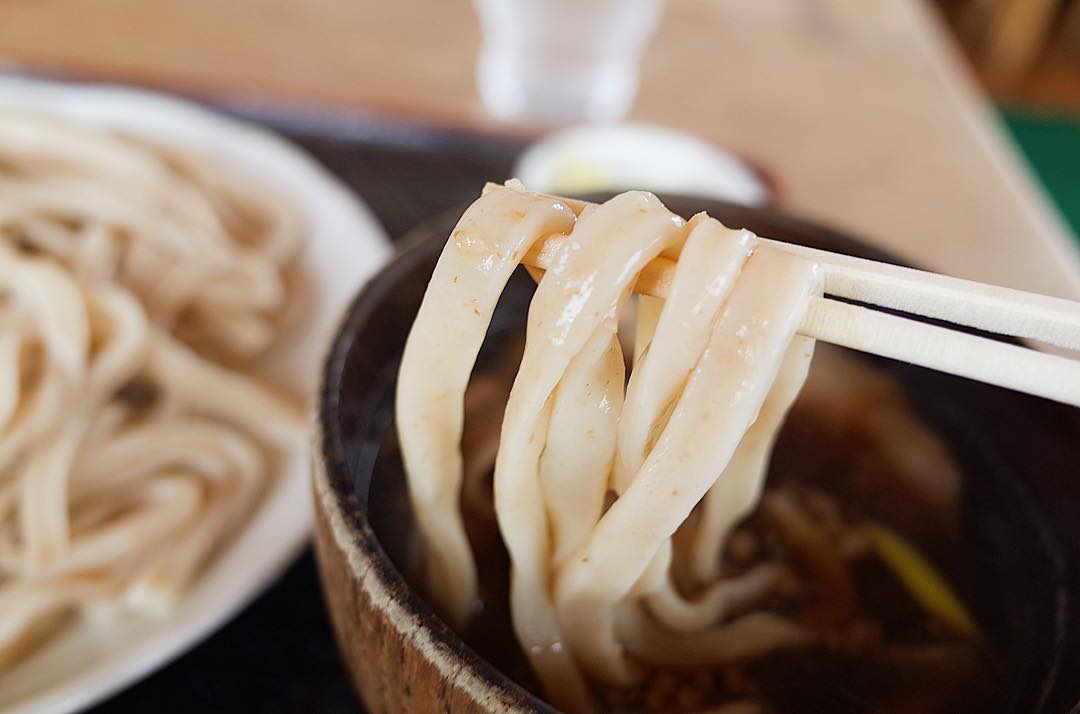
[861,111]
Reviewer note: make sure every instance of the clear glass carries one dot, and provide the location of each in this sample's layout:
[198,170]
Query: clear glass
[562,61]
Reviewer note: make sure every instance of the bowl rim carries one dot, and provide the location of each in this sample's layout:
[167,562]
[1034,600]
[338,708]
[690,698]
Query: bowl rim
[346,513]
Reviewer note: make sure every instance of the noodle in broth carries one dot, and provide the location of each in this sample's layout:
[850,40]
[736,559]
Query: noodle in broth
[591,586]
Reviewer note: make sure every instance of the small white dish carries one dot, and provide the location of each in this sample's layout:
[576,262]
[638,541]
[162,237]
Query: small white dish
[611,157]
[345,246]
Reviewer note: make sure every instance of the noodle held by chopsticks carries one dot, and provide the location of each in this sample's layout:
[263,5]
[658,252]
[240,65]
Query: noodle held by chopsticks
[484,249]
[574,301]
[720,401]
[593,595]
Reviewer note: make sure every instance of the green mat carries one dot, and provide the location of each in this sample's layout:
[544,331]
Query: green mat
[1052,146]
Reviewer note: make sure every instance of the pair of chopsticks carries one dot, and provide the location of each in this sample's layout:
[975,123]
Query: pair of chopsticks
[1002,311]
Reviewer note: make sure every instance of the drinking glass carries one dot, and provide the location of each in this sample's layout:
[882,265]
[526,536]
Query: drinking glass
[562,61]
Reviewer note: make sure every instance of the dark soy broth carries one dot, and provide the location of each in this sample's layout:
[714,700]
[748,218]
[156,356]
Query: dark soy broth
[853,452]
[1002,532]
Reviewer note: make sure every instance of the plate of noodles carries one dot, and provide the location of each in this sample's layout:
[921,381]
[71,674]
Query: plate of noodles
[593,462]
[168,281]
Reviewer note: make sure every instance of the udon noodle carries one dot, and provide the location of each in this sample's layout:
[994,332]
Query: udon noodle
[206,252]
[592,482]
[128,456]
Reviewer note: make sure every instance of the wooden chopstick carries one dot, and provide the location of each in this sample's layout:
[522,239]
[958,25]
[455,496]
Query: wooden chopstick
[999,363]
[1003,311]
[993,309]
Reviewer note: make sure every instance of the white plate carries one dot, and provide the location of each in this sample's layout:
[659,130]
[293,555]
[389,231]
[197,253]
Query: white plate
[345,246]
[604,157]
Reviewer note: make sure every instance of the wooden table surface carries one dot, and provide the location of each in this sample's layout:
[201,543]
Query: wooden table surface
[861,111]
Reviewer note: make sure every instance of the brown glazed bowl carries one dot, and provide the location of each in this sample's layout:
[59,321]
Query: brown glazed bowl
[1021,457]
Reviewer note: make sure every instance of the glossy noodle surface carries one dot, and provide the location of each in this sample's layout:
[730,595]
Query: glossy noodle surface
[623,488]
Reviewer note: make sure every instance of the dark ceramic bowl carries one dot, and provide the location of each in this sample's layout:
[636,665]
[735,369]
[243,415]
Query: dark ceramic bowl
[1020,457]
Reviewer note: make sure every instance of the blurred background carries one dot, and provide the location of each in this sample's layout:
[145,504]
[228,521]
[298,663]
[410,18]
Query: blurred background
[946,131]
[872,116]
[1026,53]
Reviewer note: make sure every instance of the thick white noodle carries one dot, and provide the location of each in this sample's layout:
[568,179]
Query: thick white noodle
[746,637]
[53,298]
[484,249]
[738,489]
[710,260]
[207,388]
[578,297]
[716,367]
[580,445]
[713,256]
[202,248]
[10,380]
[721,399]
[722,598]
[729,500]
[106,245]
